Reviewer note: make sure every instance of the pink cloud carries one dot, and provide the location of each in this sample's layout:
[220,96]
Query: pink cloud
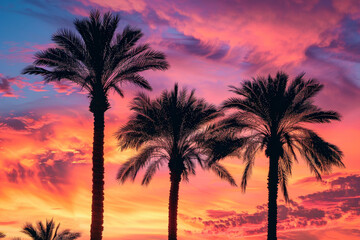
[5,88]
[17,52]
[283,30]
[78,11]
[8,223]
[225,43]
[314,180]
[37,87]
[117,5]
[309,211]
[65,87]
[256,36]
[7,83]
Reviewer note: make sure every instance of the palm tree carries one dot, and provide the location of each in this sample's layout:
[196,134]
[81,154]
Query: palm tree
[49,231]
[168,130]
[2,235]
[98,60]
[271,113]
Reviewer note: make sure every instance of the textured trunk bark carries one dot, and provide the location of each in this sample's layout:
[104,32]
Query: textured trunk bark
[97,208]
[273,180]
[175,179]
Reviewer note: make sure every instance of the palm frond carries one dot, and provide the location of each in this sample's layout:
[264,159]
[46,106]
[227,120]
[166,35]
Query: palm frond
[29,230]
[42,229]
[283,178]
[137,80]
[222,173]
[246,174]
[33,70]
[134,164]
[223,146]
[71,42]
[129,37]
[56,232]
[320,117]
[151,170]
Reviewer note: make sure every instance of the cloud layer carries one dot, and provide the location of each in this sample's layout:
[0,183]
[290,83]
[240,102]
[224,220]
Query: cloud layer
[340,202]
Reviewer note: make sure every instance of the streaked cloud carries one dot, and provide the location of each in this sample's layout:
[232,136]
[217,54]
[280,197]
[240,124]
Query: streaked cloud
[340,202]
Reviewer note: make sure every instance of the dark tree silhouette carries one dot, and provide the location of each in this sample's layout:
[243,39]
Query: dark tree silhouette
[271,113]
[2,235]
[169,130]
[48,231]
[98,60]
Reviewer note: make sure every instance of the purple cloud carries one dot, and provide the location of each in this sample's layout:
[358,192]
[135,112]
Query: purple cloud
[7,84]
[52,169]
[341,54]
[39,127]
[13,123]
[194,46]
[341,200]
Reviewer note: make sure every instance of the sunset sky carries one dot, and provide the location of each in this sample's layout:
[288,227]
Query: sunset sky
[46,130]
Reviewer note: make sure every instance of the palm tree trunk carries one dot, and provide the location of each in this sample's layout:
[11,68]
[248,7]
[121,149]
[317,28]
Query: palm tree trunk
[175,179]
[273,180]
[97,208]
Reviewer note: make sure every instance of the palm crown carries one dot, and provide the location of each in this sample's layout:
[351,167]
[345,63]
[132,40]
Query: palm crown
[168,130]
[99,60]
[272,113]
[48,231]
